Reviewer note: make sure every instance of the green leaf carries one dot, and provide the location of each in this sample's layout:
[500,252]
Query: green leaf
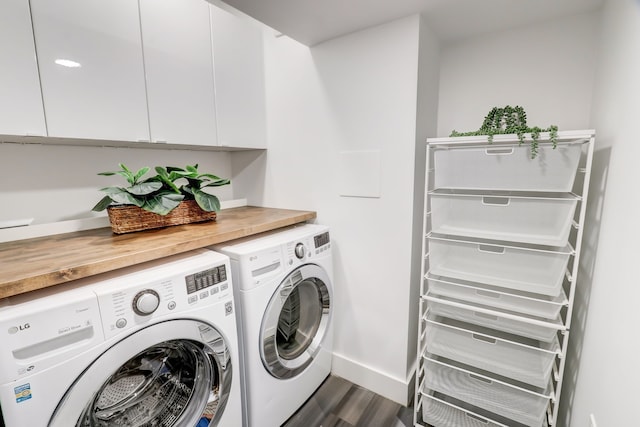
[144,188]
[128,176]
[162,204]
[124,198]
[174,168]
[192,169]
[140,174]
[186,190]
[217,183]
[106,173]
[161,171]
[207,202]
[126,172]
[208,175]
[103,204]
[164,177]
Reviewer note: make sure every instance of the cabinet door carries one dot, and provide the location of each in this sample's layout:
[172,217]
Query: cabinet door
[176,40]
[239,80]
[21,110]
[91,69]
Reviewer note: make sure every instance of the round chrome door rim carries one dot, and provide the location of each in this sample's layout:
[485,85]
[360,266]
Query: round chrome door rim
[213,350]
[275,364]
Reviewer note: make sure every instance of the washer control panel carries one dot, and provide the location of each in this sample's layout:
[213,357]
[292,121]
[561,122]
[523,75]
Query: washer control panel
[124,304]
[146,302]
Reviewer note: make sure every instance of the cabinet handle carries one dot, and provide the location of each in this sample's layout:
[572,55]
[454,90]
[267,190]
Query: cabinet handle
[482,338]
[486,316]
[496,201]
[160,141]
[481,379]
[491,249]
[498,151]
[488,294]
[477,418]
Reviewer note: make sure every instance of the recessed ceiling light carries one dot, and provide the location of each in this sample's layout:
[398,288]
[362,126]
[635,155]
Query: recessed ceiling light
[68,63]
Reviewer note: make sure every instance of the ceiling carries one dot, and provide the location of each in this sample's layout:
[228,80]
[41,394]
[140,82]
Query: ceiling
[314,21]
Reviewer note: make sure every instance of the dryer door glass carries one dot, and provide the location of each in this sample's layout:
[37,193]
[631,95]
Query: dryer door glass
[296,321]
[182,381]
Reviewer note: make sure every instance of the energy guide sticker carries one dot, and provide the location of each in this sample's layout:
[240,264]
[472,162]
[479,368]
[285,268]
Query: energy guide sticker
[22,392]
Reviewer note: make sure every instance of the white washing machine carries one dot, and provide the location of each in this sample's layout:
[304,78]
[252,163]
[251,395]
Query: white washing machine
[151,345]
[284,294]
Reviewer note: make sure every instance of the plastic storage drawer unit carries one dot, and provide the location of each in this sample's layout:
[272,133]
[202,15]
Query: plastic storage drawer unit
[524,406]
[487,350]
[532,304]
[507,168]
[525,269]
[524,219]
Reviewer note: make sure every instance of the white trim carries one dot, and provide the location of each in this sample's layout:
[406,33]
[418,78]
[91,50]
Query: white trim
[396,389]
[41,230]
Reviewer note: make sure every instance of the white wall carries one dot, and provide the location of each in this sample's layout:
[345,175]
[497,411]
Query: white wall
[547,69]
[356,92]
[607,378]
[58,183]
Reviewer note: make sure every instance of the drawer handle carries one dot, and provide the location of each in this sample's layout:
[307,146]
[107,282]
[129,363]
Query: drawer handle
[498,151]
[477,418]
[481,379]
[486,316]
[491,249]
[482,338]
[488,294]
[495,201]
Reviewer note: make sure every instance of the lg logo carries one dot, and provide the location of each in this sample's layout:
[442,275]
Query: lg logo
[16,329]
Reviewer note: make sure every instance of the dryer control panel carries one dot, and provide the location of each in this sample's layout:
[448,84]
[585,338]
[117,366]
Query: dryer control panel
[304,250]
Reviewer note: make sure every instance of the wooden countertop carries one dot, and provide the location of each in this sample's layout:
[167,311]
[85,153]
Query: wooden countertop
[28,265]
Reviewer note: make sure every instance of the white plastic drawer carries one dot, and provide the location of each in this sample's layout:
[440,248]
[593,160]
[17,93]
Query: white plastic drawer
[507,168]
[487,350]
[439,413]
[535,329]
[522,405]
[532,304]
[524,219]
[538,271]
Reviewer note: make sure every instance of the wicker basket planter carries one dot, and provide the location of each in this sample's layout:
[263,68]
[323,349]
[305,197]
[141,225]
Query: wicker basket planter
[129,218]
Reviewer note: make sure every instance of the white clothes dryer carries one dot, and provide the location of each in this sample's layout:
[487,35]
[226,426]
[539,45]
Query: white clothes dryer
[151,345]
[284,294]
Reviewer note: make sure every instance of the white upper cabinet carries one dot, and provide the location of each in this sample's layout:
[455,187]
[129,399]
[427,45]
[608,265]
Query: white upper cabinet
[239,80]
[20,99]
[176,41]
[91,68]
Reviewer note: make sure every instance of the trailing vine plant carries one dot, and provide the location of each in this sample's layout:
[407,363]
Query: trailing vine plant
[508,120]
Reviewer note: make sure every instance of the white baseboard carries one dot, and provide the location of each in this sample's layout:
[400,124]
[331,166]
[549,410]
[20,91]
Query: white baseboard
[399,390]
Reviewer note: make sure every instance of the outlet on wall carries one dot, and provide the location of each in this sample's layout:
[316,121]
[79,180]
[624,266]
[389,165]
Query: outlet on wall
[592,421]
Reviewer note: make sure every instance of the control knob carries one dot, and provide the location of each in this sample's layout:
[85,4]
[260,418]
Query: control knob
[300,251]
[146,302]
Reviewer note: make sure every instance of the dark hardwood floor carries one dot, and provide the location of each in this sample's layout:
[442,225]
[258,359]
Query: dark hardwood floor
[339,403]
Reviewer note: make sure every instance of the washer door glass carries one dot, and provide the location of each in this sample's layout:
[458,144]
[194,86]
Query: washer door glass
[296,321]
[181,381]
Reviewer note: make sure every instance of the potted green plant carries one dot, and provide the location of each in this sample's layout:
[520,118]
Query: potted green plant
[511,120]
[173,196]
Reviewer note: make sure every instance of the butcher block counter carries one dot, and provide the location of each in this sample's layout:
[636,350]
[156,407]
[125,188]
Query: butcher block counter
[28,265]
